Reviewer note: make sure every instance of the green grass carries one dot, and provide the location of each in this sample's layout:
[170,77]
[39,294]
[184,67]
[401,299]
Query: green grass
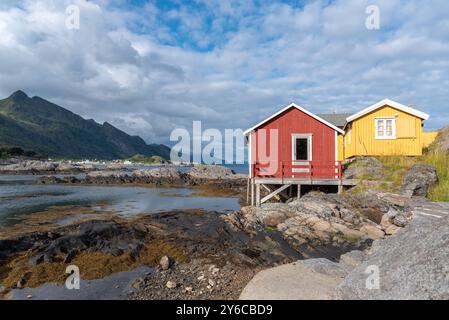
[396,167]
[440,160]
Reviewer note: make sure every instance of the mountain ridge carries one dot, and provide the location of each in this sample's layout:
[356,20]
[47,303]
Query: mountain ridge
[44,127]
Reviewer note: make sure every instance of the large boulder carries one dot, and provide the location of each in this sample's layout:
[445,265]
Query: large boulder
[411,265]
[418,180]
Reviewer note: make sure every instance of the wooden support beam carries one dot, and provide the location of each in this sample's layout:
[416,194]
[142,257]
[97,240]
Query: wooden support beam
[248,185]
[258,195]
[275,192]
[278,198]
[340,189]
[299,192]
[252,192]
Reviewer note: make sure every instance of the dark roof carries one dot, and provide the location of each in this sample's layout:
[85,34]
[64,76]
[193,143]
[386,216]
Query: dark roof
[337,119]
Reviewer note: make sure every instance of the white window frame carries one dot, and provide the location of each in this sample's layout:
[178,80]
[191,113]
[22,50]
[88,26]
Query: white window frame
[385,137]
[307,136]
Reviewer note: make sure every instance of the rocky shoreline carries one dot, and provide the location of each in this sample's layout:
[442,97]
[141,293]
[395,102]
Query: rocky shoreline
[211,255]
[162,176]
[408,266]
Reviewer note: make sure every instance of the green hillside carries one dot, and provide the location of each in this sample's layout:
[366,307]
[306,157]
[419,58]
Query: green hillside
[43,127]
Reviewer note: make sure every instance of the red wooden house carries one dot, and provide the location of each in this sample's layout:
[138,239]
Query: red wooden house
[293,147]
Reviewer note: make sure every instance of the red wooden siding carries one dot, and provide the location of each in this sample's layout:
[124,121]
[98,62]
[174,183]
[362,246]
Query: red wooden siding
[294,121]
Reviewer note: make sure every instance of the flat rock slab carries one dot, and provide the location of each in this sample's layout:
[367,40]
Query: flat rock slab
[414,264]
[312,279]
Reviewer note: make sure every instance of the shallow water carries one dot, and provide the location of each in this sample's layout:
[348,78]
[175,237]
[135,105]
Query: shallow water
[17,200]
[114,287]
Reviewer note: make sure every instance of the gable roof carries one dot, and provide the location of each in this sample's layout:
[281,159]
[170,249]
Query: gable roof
[293,105]
[337,119]
[390,103]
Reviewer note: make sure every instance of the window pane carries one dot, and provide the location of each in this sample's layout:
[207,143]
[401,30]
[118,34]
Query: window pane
[302,149]
[389,126]
[380,128]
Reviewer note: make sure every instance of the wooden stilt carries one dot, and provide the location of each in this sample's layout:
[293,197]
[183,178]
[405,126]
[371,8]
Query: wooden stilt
[340,189]
[258,195]
[299,192]
[252,192]
[248,182]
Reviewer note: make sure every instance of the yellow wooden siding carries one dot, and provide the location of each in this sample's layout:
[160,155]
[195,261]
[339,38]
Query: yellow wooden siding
[406,127]
[428,138]
[363,143]
[340,143]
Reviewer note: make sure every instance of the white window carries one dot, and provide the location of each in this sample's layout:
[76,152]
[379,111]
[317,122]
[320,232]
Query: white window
[302,147]
[385,128]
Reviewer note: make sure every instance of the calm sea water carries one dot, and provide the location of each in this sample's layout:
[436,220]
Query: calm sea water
[17,200]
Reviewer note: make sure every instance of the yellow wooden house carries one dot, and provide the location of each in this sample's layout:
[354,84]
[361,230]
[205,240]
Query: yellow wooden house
[386,128]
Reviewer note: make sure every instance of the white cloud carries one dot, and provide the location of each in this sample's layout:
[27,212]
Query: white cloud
[228,64]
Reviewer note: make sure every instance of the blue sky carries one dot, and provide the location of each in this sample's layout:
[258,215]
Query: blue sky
[149,67]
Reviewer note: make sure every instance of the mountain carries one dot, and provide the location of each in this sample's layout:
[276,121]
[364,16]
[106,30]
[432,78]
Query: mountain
[41,126]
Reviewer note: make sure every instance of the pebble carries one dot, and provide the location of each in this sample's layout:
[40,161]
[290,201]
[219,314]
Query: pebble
[211,282]
[29,296]
[166,262]
[215,270]
[201,278]
[171,284]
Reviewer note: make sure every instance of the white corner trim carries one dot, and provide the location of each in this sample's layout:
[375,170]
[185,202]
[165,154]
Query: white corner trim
[250,158]
[336,146]
[390,103]
[300,109]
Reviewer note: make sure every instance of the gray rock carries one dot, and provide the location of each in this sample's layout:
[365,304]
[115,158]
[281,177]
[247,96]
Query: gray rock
[210,171]
[368,168]
[352,258]
[418,180]
[312,279]
[412,265]
[166,262]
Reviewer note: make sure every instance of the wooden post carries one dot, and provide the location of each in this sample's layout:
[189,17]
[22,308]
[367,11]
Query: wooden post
[252,192]
[248,183]
[340,188]
[258,195]
[299,192]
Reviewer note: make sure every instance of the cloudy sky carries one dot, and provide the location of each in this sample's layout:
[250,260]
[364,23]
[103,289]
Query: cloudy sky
[149,67]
